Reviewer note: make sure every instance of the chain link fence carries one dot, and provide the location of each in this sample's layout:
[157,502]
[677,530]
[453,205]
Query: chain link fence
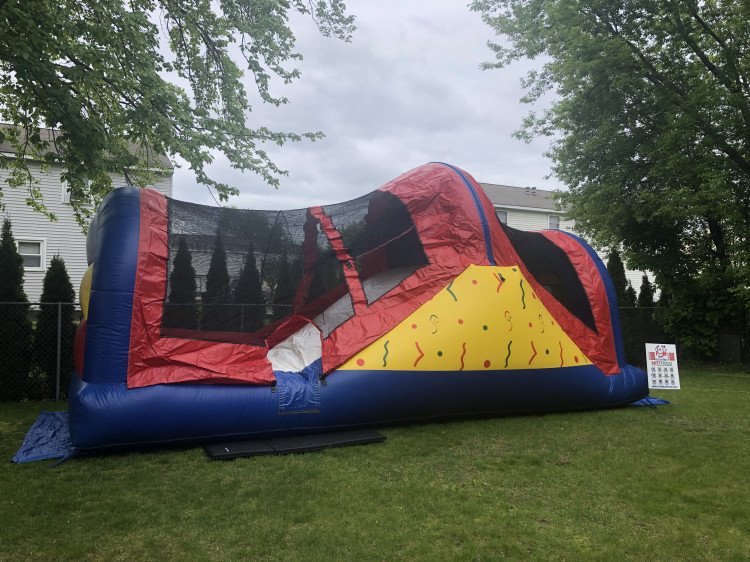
[641,326]
[36,345]
[36,350]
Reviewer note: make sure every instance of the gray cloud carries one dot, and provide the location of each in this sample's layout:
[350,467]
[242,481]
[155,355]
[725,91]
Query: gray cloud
[406,91]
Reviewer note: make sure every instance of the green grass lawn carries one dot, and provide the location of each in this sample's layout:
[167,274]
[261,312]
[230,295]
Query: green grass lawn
[632,483]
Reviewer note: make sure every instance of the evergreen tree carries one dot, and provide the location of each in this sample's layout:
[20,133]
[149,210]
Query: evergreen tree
[617,274]
[11,268]
[180,311]
[327,273]
[214,310]
[15,327]
[650,321]
[249,292]
[646,296]
[631,324]
[629,299]
[57,288]
[287,282]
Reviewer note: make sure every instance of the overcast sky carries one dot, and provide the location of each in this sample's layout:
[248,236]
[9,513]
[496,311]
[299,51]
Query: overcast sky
[407,90]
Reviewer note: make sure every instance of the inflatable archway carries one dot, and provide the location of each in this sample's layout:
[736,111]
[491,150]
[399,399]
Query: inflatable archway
[411,303]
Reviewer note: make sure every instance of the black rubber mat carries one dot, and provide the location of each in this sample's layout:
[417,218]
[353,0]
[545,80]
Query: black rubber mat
[293,444]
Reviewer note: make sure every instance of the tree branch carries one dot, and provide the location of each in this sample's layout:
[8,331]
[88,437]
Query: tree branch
[658,79]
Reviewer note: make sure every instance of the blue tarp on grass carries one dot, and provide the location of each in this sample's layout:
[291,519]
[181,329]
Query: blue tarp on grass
[649,401]
[48,438]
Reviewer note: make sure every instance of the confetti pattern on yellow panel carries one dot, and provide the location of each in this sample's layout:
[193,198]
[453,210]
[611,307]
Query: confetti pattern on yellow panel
[488,318]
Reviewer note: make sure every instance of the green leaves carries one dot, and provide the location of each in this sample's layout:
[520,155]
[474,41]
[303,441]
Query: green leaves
[105,74]
[653,128]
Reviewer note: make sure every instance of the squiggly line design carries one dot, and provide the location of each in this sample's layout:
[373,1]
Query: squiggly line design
[463,354]
[421,353]
[500,281]
[508,316]
[534,350]
[541,321]
[434,322]
[523,295]
[508,356]
[448,288]
[561,354]
[385,357]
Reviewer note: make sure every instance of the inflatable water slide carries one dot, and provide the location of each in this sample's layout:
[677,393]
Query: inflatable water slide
[410,303]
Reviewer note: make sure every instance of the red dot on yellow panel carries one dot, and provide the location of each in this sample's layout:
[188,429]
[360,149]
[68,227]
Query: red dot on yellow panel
[460,321]
[413,326]
[487,364]
[575,358]
[360,362]
[473,281]
[530,324]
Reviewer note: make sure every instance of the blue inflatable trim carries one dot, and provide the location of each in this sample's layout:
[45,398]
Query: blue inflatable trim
[111,301]
[480,212]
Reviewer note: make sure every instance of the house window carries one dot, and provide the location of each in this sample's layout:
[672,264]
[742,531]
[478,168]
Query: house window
[553,222]
[66,190]
[502,215]
[32,252]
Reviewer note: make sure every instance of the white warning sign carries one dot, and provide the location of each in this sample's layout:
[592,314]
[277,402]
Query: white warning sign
[661,362]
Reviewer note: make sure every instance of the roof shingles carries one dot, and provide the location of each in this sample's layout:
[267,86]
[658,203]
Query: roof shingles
[509,196]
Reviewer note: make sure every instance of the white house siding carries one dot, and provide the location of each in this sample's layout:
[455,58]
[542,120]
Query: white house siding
[530,219]
[636,279]
[527,220]
[64,237]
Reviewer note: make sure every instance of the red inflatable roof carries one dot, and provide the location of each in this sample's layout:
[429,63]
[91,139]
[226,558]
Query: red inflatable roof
[456,226]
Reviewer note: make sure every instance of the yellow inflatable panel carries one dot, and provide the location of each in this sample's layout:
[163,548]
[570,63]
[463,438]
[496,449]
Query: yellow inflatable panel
[85,291]
[488,318]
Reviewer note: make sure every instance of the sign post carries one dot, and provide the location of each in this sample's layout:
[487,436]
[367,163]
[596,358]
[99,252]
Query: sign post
[661,361]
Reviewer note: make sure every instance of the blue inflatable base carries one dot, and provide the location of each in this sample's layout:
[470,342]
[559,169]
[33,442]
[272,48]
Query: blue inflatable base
[111,416]
[107,415]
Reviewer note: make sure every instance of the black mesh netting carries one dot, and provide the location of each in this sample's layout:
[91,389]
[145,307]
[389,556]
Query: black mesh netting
[551,267]
[233,275]
[381,238]
[231,270]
